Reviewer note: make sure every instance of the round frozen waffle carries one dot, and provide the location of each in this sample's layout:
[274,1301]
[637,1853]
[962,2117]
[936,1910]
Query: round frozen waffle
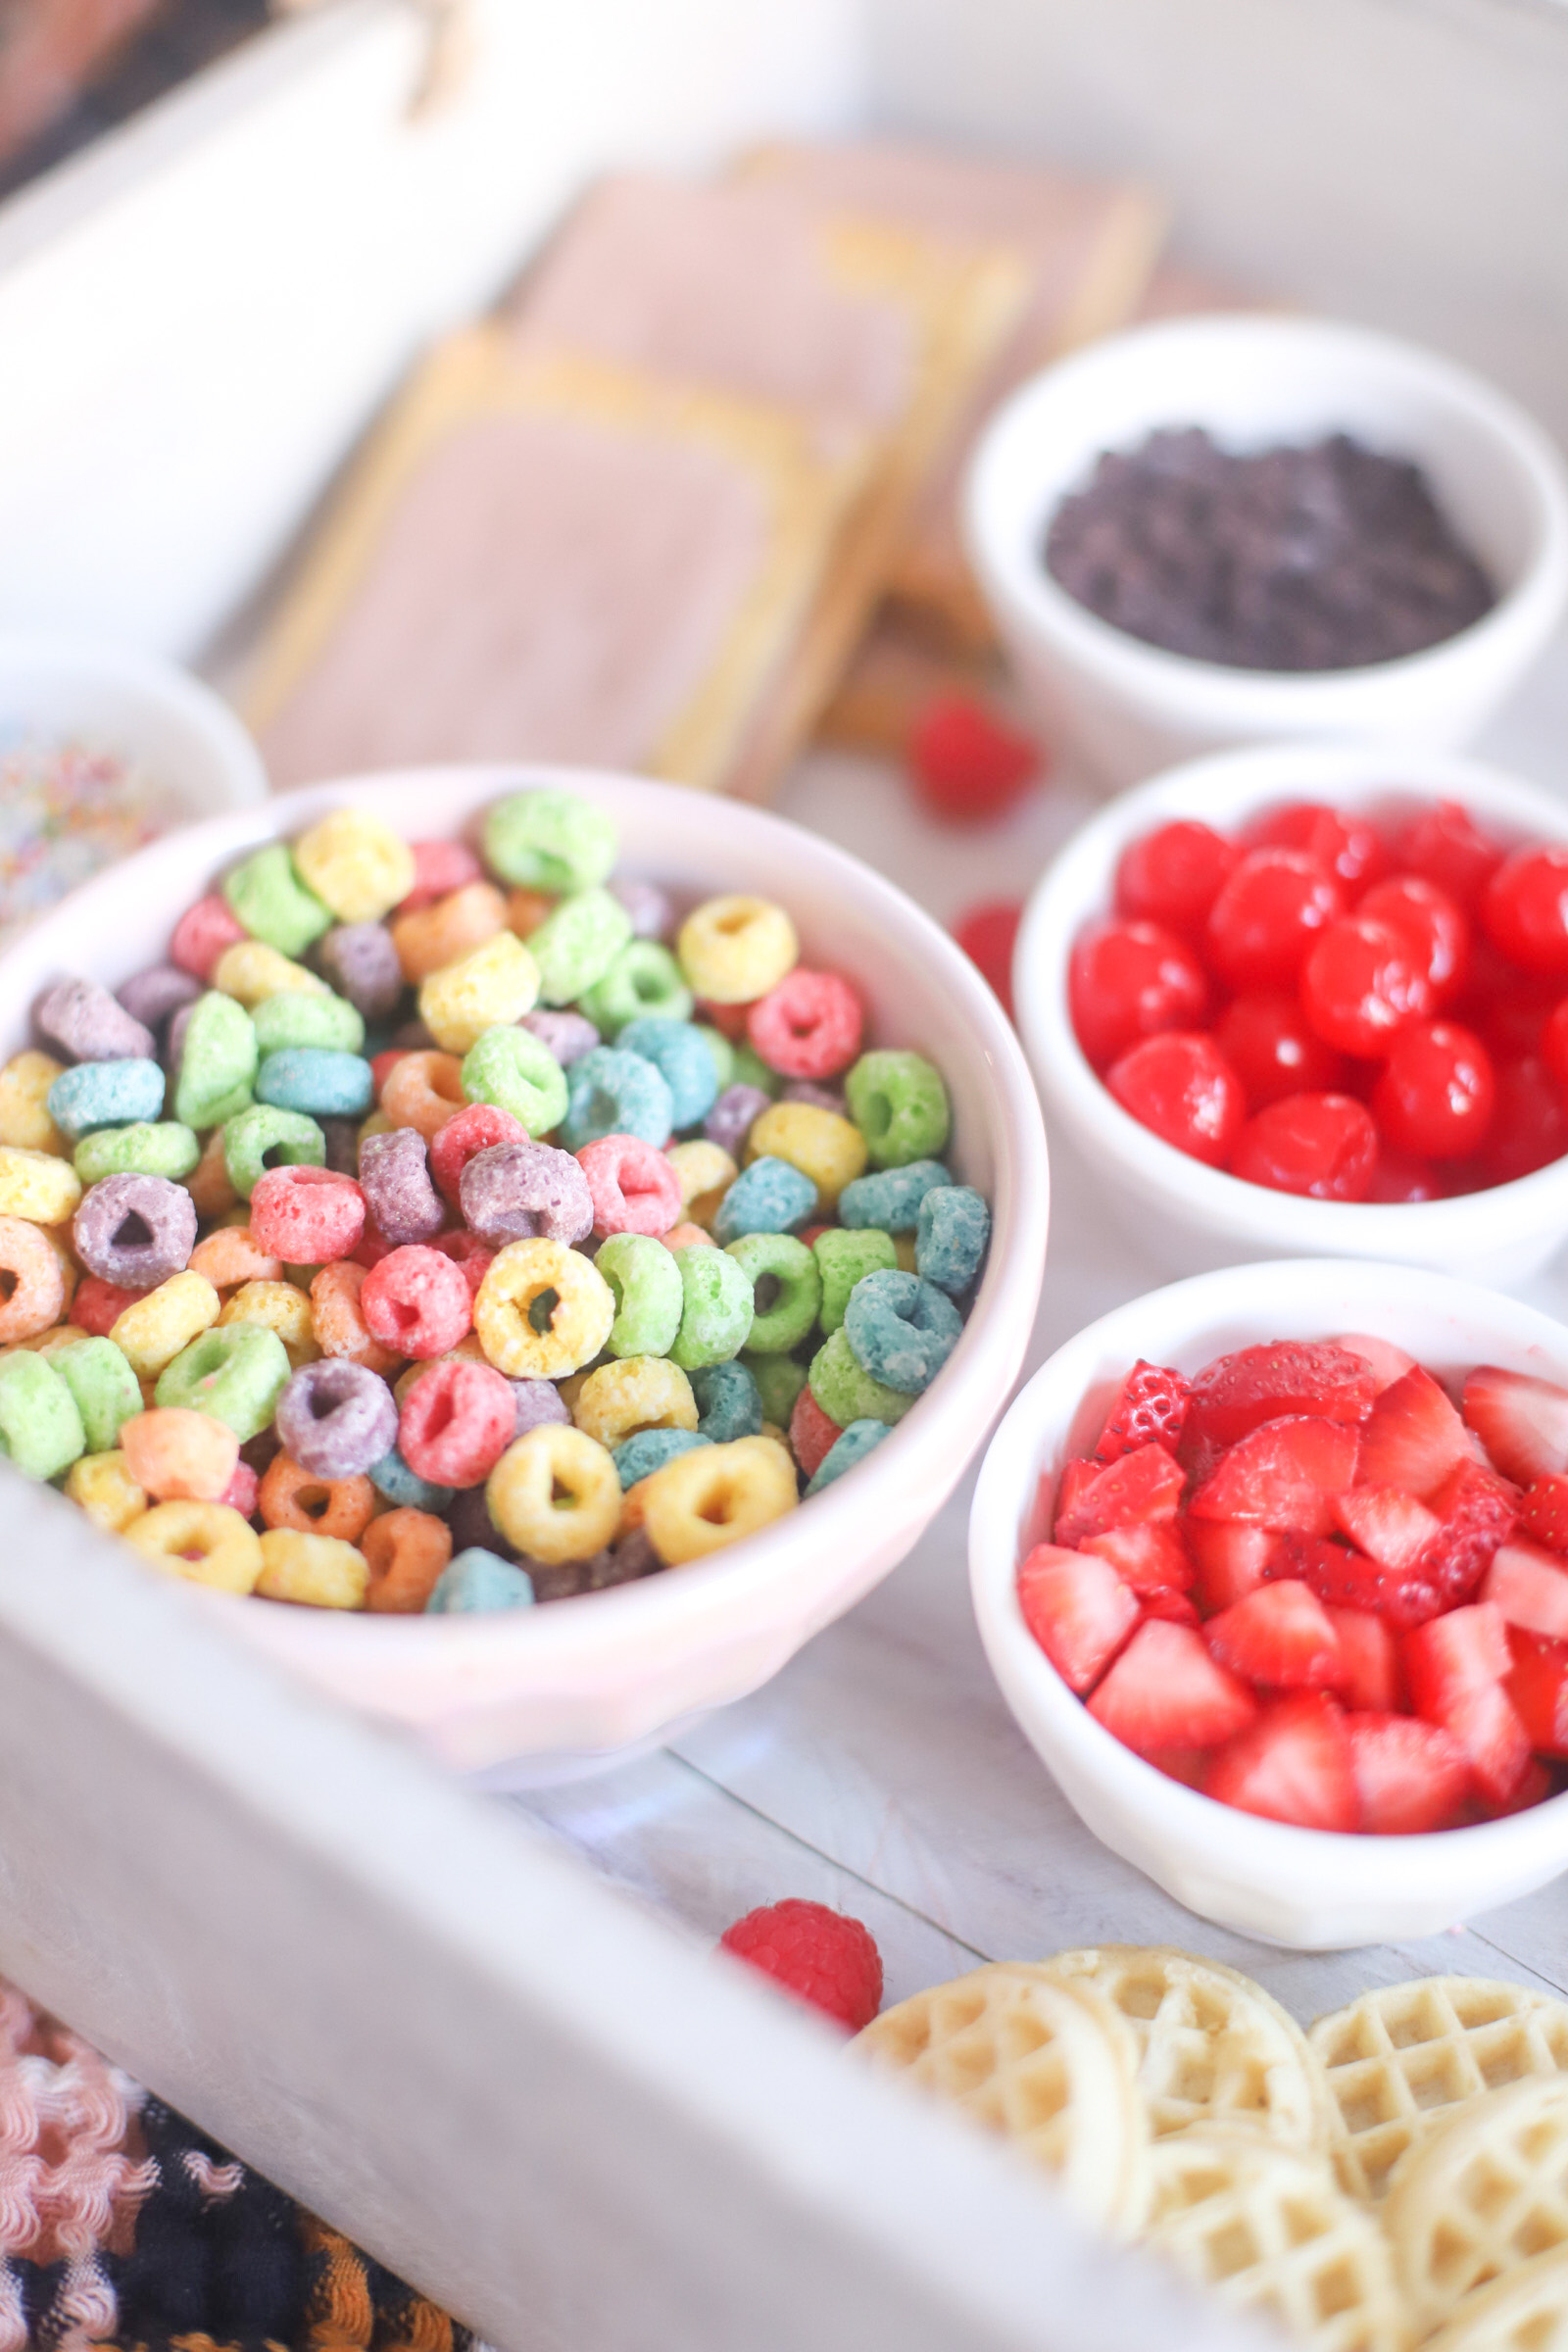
[1266,2229]
[1213,2048]
[1524,2311]
[1480,2194]
[1050,2067]
[1398,2058]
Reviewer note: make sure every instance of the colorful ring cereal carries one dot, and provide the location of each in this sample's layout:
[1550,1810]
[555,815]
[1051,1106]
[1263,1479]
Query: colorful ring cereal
[554,1494]
[273,903]
[218,1060]
[439,868]
[813,1433]
[577,943]
[768,1197]
[822,1146]
[891,1201]
[318,1571]
[844,1258]
[645,1283]
[422,1091]
[901,1330]
[779,1379]
[809,1026]
[733,950]
[98,1305]
[680,1051]
[37,1186]
[435,937]
[88,1024]
[479,1128]
[415,1300]
[283,1309]
[632,1186]
[147,1148]
[542,1311]
[547,840]
[317,1079]
[523,1192]
[107,1391]
[404,1487]
[177,1455]
[361,963]
[205,1543]
[355,864]
[786,1290]
[610,1093]
[644,980]
[40,1425]
[135,1230]
[253,970]
[733,1116]
[237,1372]
[305,1217]
[717,1495]
[706,1171]
[24,1083]
[164,1322]
[568,1036]
[262,1138]
[105,1093]
[489,988]
[336,1419]
[292,1497]
[37,1280]
[405,1551]
[292,1020]
[100,1485]
[900,1103]
[717,1308]
[516,1070]
[637,1457]
[457,1421]
[728,1402]
[641,1392]
[847,1451]
[202,934]
[950,1236]
[478,1582]
[395,1179]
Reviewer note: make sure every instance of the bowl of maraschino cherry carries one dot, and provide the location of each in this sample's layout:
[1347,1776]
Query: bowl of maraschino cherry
[1314,999]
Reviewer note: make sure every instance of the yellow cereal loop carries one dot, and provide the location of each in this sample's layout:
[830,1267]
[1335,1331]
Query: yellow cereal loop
[733,950]
[100,1485]
[356,864]
[822,1146]
[641,1392]
[542,1310]
[707,1172]
[283,1308]
[715,1494]
[25,1084]
[152,1332]
[37,1186]
[206,1543]
[319,1571]
[555,1494]
[490,988]
[250,970]
[208,1182]
[466,1352]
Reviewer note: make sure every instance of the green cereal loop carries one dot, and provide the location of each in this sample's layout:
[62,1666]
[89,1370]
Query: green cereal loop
[899,1105]
[643,978]
[106,1389]
[721,1049]
[787,1290]
[842,1259]
[265,1137]
[551,841]
[217,1062]
[149,1147]
[236,1371]
[517,1071]
[748,1068]
[577,943]
[846,1393]
[294,1018]
[645,1283]
[274,904]
[779,1381]
[40,1427]
[717,1308]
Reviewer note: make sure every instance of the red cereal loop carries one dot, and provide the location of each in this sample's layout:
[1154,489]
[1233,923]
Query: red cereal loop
[811,1433]
[456,1421]
[439,868]
[418,1302]
[473,1257]
[809,1026]
[240,1492]
[307,1217]
[382,1066]
[201,935]
[98,1305]
[466,1132]
[632,1186]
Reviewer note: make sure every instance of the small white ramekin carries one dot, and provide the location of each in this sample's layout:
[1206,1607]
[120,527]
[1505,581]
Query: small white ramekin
[144,709]
[1254,383]
[1192,1217]
[1310,1889]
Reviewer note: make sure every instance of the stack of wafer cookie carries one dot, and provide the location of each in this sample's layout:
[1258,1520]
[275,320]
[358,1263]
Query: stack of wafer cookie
[1399,2177]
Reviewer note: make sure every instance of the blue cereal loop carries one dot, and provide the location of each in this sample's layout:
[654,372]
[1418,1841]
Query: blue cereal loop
[650,1450]
[106,1094]
[891,1198]
[847,1451]
[729,1403]
[612,1093]
[319,1079]
[681,1051]
[392,1477]
[950,1237]
[478,1580]
[901,1330]
[768,1197]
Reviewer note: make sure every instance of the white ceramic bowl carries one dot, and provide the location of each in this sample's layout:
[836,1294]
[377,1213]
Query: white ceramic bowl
[1192,1217]
[606,1670]
[145,709]
[1254,383]
[1307,1887]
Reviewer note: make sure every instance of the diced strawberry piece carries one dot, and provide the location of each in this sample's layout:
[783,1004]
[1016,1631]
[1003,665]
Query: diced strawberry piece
[1347,1579]
[1369,1662]
[1185,1764]
[1478,1512]
[1387,1363]
[1497,1747]
[1409,1776]
[1538,1685]
[1389,1526]
[1165,1690]
[1294,1764]
[1533,1787]
[1239,1392]
[1279,1636]
[1413,1437]
[1152,1558]
[1175,1608]
[1232,1558]
[1530,1586]
[1078,1610]
[1284,1474]
[1465,1650]
[1148,1408]
[1544,1513]
[1521,1421]
[1144,1485]
[1076,1478]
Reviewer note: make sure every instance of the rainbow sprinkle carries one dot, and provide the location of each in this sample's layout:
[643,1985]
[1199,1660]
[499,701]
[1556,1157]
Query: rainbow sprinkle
[66,810]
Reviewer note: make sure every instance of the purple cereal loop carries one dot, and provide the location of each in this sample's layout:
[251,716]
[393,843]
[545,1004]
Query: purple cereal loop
[395,1179]
[136,1231]
[85,1022]
[516,1191]
[151,995]
[472,1525]
[538,1401]
[820,1098]
[335,1418]
[362,964]
[568,1035]
[729,1121]
[651,915]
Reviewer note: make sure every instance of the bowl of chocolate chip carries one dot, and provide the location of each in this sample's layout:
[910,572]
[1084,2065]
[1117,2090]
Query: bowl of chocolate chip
[1230,528]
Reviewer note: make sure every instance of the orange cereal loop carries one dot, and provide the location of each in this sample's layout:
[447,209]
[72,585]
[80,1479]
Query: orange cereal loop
[435,936]
[228,1257]
[208,1182]
[339,1326]
[682,1237]
[180,1456]
[526,910]
[424,1091]
[294,1499]
[33,1281]
[407,1550]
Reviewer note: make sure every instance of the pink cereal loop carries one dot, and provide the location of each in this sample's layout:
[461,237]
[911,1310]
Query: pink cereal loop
[439,868]
[202,933]
[417,1301]
[809,1026]
[632,1186]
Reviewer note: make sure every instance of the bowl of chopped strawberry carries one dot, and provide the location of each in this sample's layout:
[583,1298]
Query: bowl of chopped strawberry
[1314,999]
[1272,1569]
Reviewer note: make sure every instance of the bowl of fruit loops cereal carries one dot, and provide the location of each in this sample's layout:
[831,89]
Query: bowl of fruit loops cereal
[434,1197]
[1301,998]
[1270,1567]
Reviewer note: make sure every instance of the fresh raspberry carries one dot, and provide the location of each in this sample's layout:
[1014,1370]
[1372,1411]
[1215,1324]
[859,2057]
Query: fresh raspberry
[817,1954]
[966,765]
